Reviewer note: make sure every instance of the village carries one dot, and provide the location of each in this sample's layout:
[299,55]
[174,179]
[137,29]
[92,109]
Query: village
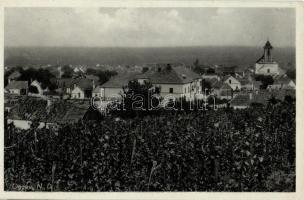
[69,101]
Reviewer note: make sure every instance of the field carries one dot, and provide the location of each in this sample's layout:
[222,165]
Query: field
[228,56]
[224,150]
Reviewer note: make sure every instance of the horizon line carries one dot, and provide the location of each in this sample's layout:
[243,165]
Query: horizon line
[186,46]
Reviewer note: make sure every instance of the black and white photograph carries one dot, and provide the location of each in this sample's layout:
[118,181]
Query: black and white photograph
[149,99]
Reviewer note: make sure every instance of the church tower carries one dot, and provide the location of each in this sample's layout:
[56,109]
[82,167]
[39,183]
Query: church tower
[267,52]
[266,65]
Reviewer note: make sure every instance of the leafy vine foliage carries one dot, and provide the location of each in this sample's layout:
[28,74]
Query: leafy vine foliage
[224,150]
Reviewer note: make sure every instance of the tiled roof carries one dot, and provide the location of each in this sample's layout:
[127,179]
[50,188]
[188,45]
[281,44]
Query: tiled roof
[17,85]
[73,115]
[92,77]
[36,109]
[120,80]
[281,80]
[84,83]
[175,75]
[261,97]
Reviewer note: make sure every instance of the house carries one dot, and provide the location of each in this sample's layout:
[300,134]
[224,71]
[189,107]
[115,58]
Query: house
[222,90]
[266,65]
[92,77]
[249,84]
[82,88]
[233,82]
[282,82]
[174,81]
[262,97]
[98,92]
[17,87]
[46,113]
[65,85]
[225,71]
[225,92]
[14,76]
[113,88]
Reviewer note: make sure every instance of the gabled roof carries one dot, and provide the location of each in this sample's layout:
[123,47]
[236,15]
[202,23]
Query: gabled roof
[84,83]
[92,77]
[230,76]
[282,80]
[175,75]
[65,82]
[120,80]
[74,115]
[97,89]
[14,75]
[17,85]
[30,108]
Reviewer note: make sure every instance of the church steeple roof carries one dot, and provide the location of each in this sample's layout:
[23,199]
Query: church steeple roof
[267,45]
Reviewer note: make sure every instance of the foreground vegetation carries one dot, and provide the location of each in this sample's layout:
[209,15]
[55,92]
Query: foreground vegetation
[224,150]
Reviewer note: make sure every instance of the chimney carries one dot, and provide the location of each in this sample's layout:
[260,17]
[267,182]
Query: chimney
[250,96]
[93,84]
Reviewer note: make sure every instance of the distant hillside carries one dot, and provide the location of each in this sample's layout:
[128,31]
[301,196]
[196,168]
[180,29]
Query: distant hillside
[241,56]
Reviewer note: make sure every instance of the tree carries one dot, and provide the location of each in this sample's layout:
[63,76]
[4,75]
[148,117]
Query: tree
[266,80]
[137,99]
[43,76]
[67,71]
[103,76]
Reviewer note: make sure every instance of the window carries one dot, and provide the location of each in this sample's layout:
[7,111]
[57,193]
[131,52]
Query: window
[171,90]
[229,81]
[79,95]
[268,70]
[185,90]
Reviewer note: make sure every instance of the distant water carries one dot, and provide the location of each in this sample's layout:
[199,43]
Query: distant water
[240,56]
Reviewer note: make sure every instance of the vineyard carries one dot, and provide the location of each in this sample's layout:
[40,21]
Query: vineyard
[223,150]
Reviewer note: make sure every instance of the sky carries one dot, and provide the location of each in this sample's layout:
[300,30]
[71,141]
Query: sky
[148,27]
